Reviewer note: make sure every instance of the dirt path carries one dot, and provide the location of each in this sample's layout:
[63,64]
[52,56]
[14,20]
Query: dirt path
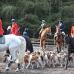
[46,70]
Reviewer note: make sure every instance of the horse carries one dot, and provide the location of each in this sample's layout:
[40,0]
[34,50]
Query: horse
[14,43]
[28,42]
[69,41]
[44,37]
[59,39]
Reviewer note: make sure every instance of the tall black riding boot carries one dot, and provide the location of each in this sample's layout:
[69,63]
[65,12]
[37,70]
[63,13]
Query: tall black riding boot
[39,36]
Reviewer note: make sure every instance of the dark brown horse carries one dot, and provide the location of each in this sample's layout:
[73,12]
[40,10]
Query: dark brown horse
[59,39]
[28,44]
[44,37]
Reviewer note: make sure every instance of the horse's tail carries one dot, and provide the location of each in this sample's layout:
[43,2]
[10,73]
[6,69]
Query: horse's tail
[31,48]
[21,50]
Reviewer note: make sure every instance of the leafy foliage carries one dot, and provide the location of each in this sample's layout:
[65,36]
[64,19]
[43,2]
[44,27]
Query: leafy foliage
[30,13]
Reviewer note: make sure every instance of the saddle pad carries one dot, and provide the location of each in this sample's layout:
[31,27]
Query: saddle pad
[2,40]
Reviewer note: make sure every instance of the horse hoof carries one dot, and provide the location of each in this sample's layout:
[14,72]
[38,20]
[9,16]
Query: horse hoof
[7,68]
[65,68]
[58,51]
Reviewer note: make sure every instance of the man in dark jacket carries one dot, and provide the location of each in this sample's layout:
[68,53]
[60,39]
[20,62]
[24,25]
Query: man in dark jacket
[25,32]
[62,26]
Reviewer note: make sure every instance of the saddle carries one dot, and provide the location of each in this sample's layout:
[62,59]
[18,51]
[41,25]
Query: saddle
[63,33]
[2,39]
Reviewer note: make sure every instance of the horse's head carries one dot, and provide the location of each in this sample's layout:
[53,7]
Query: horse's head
[58,29]
[67,40]
[48,30]
[5,31]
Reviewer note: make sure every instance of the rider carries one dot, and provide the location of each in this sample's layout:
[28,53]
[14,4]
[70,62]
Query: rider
[14,28]
[14,32]
[42,27]
[62,28]
[1,30]
[25,33]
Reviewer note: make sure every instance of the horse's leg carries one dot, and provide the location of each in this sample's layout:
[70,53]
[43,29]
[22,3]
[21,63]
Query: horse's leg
[60,47]
[18,68]
[44,44]
[13,54]
[57,47]
[7,68]
[67,60]
[40,44]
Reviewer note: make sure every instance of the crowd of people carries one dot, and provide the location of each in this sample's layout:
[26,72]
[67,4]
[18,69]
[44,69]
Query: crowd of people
[15,29]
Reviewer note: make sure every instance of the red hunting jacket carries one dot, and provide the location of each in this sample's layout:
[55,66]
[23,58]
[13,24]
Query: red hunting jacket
[72,31]
[15,29]
[1,30]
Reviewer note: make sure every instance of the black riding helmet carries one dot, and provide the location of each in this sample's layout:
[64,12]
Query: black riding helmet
[61,21]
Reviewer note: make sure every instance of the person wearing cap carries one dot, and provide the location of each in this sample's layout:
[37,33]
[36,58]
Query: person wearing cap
[14,28]
[1,30]
[62,26]
[42,27]
[25,33]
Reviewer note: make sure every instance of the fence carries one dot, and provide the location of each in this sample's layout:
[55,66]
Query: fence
[36,42]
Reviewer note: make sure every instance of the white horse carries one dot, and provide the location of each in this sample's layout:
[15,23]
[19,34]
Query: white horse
[14,43]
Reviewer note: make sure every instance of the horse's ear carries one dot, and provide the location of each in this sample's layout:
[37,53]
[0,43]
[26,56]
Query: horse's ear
[50,27]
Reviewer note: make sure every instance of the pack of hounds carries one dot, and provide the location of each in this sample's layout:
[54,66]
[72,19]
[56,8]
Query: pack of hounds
[43,58]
